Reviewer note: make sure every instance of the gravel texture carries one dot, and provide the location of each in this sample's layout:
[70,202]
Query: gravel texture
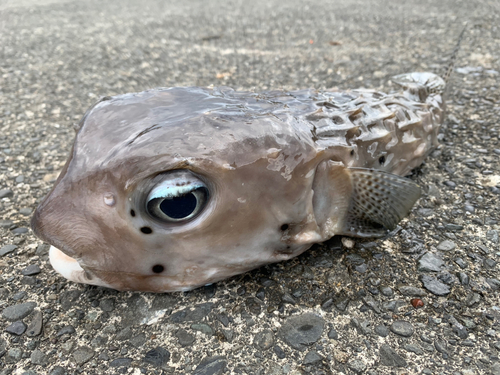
[343,306]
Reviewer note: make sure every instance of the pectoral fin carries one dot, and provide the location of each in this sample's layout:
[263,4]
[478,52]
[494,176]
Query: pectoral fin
[379,201]
[360,202]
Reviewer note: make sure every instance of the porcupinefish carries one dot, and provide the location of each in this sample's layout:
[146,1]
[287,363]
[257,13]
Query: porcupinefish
[175,188]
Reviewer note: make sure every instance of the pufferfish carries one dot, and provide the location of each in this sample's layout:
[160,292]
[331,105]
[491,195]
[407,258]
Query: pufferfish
[175,188]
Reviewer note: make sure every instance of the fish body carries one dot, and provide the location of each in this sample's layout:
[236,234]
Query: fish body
[174,188]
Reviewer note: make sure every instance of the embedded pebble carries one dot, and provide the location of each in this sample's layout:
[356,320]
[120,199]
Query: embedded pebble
[389,357]
[16,328]
[82,355]
[121,362]
[414,349]
[312,358]
[402,328]
[430,262]
[19,311]
[67,330]
[211,366]
[412,291]
[446,245]
[4,250]
[6,193]
[184,337]
[357,365]
[39,358]
[382,330]
[300,331]
[264,340]
[33,269]
[157,357]
[434,286]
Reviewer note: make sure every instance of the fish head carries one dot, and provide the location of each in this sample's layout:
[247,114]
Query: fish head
[171,189]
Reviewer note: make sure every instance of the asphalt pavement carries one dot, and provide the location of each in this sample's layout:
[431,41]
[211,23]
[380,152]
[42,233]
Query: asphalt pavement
[424,300]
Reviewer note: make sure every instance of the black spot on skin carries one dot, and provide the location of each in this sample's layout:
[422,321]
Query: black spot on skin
[132,213]
[146,230]
[381,160]
[284,227]
[352,152]
[158,268]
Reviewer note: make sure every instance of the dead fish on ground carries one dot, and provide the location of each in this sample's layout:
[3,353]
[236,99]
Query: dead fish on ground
[174,188]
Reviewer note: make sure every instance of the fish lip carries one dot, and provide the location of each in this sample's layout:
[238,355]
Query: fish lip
[70,268]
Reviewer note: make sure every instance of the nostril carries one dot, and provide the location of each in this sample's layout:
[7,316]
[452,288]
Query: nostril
[158,268]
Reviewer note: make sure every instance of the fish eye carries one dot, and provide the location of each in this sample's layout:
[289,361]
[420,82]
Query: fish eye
[180,196]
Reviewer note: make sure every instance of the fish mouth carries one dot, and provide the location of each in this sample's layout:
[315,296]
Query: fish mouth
[70,269]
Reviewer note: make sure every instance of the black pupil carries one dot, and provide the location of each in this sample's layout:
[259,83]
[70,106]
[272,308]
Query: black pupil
[179,207]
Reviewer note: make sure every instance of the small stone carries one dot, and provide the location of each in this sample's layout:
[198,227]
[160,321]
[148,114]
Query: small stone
[36,324]
[58,370]
[453,227]
[19,311]
[6,193]
[82,355]
[389,357]
[434,286]
[202,327]
[67,330]
[461,263]
[493,283]
[450,184]
[464,278]
[7,249]
[387,291]
[13,355]
[348,242]
[446,245]
[38,357]
[412,291]
[25,211]
[124,334]
[312,358]
[107,304]
[33,269]
[357,365]
[264,340]
[301,331]
[16,328]
[332,334]
[460,331]
[279,352]
[440,346]
[6,223]
[430,262]
[211,366]
[121,362]
[184,337]
[196,314]
[69,298]
[382,330]
[414,349]
[20,230]
[402,328]
[157,357]
[138,341]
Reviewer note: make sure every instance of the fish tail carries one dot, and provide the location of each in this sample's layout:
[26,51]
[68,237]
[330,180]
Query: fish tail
[454,55]
[422,84]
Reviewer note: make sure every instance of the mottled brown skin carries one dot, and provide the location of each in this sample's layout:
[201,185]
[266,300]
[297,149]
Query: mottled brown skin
[257,153]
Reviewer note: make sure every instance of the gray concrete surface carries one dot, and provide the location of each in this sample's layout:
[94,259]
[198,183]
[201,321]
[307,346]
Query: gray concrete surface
[335,309]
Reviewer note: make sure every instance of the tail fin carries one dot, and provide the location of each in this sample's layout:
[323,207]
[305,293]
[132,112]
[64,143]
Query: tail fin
[423,84]
[454,55]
